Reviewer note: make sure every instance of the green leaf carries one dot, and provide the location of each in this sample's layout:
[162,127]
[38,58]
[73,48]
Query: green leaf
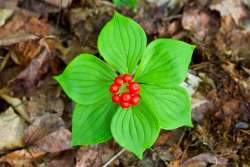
[171,105]
[122,43]
[126,3]
[165,61]
[135,128]
[91,123]
[86,79]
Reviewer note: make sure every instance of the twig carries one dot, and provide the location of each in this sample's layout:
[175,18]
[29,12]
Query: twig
[113,158]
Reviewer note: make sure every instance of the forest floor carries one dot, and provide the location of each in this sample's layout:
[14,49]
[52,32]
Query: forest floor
[39,38]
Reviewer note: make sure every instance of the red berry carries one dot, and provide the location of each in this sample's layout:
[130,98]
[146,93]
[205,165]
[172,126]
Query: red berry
[116,98]
[137,92]
[114,88]
[125,97]
[135,100]
[127,78]
[125,104]
[134,87]
[119,80]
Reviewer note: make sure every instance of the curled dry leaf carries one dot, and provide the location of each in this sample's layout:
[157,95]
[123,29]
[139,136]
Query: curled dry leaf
[28,79]
[22,157]
[203,160]
[11,130]
[22,27]
[16,103]
[4,15]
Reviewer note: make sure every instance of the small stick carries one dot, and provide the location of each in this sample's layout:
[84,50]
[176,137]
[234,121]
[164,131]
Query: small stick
[113,158]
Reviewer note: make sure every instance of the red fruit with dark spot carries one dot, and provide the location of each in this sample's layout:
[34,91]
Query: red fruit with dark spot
[116,98]
[114,88]
[134,87]
[119,80]
[127,78]
[125,105]
[125,97]
[135,100]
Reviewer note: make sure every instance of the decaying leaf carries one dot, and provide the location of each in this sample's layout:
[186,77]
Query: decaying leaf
[29,77]
[22,158]
[59,3]
[4,15]
[41,127]
[94,156]
[54,142]
[203,160]
[16,103]
[203,22]
[11,130]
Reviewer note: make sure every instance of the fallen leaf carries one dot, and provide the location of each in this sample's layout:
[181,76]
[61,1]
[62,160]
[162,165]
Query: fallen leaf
[40,104]
[29,78]
[54,142]
[41,127]
[203,22]
[94,156]
[204,160]
[16,103]
[234,8]
[59,3]
[16,38]
[5,14]
[11,130]
[24,158]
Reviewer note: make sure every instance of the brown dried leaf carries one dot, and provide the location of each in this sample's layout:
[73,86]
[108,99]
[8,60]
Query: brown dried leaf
[203,22]
[204,160]
[43,103]
[22,158]
[234,8]
[59,3]
[16,103]
[54,142]
[11,130]
[41,127]
[4,15]
[28,79]
[67,159]
[94,156]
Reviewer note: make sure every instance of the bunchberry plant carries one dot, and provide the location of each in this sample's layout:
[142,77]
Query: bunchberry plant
[126,3]
[132,96]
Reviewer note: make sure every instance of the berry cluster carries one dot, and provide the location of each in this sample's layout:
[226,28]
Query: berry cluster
[125,92]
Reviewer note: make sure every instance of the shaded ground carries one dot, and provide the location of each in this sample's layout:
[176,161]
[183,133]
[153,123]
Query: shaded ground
[38,39]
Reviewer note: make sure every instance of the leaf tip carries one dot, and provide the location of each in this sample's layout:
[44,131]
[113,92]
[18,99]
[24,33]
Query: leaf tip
[117,15]
[190,124]
[193,46]
[57,78]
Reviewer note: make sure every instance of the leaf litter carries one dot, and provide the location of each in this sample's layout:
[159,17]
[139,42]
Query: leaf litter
[34,46]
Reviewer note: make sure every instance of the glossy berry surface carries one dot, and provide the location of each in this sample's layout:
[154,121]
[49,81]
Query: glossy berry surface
[134,87]
[125,97]
[135,99]
[125,92]
[127,78]
[114,88]
[119,80]
[125,104]
[116,98]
